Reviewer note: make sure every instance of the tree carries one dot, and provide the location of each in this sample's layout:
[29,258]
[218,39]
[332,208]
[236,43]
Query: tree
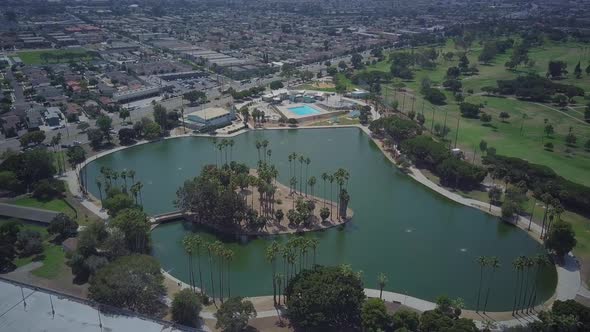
[578,71]
[556,69]
[161,116]
[374,315]
[463,62]
[152,130]
[382,281]
[549,130]
[561,238]
[9,182]
[186,307]
[469,110]
[126,135]
[105,124]
[233,314]
[33,138]
[63,226]
[482,262]
[116,202]
[95,136]
[406,319]
[132,282]
[194,97]
[8,235]
[275,85]
[124,114]
[504,116]
[324,213]
[29,242]
[483,146]
[357,61]
[325,298]
[135,226]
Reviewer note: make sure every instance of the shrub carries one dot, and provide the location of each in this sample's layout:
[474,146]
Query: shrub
[63,225]
[549,146]
[29,242]
[233,315]
[49,189]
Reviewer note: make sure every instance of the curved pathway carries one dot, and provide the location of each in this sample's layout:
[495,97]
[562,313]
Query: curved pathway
[568,284]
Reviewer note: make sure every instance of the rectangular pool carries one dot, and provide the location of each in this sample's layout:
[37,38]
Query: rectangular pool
[303,110]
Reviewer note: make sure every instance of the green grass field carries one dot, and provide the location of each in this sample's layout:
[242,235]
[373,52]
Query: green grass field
[570,162]
[58,205]
[56,56]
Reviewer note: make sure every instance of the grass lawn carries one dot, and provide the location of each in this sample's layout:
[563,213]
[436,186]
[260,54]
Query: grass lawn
[570,162]
[58,205]
[35,58]
[54,259]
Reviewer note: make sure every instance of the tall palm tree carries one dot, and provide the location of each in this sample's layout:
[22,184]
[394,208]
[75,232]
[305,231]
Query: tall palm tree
[264,144]
[293,184]
[307,162]
[482,261]
[278,282]
[540,261]
[271,256]
[313,243]
[517,265]
[197,244]
[188,249]
[311,182]
[494,263]
[210,250]
[301,161]
[258,146]
[124,177]
[324,178]
[139,187]
[382,281]
[131,175]
[218,251]
[99,185]
[528,264]
[331,180]
[231,143]
[269,154]
[229,256]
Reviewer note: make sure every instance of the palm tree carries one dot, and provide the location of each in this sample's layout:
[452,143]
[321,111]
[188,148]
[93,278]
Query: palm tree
[218,250]
[188,249]
[324,178]
[131,174]
[99,185]
[124,177]
[382,281]
[494,263]
[229,256]
[517,265]
[307,162]
[331,180]
[210,251]
[264,146]
[271,254]
[311,182]
[231,143]
[528,264]
[278,282]
[313,244]
[482,261]
[258,146]
[301,161]
[269,154]
[197,243]
[540,261]
[293,184]
[139,187]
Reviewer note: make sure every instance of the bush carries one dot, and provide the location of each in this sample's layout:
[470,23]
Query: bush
[63,225]
[434,96]
[469,110]
[186,307]
[374,315]
[29,242]
[48,189]
[549,146]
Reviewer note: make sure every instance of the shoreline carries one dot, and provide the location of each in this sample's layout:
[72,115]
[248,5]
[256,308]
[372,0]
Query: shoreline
[562,292]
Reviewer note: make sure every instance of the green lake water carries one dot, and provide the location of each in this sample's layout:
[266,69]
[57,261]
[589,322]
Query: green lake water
[426,244]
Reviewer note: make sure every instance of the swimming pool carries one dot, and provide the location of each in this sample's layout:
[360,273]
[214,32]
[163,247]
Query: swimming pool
[303,110]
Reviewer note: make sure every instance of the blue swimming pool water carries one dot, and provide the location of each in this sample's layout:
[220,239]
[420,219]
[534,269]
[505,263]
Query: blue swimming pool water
[304,110]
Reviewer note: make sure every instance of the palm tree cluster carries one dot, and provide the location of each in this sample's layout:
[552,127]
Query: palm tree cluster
[221,147]
[218,256]
[526,284]
[553,209]
[486,262]
[109,178]
[295,256]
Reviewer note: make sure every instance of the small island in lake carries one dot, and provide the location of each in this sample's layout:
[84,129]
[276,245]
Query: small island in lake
[232,198]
